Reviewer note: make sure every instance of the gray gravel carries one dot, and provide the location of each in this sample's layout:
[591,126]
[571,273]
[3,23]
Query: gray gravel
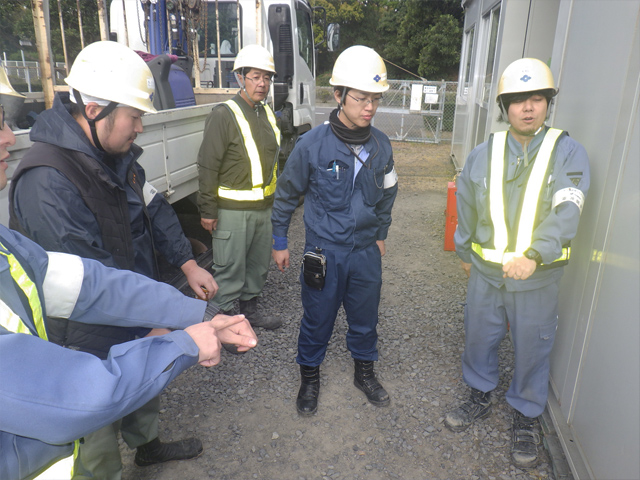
[244,409]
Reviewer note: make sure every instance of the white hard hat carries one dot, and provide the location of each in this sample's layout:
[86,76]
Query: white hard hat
[113,72]
[526,75]
[5,85]
[361,68]
[254,56]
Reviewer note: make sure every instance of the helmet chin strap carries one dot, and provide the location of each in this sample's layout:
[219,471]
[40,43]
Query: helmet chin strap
[525,147]
[527,134]
[244,89]
[92,121]
[341,110]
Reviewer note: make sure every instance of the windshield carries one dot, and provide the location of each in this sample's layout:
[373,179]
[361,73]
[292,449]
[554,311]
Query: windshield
[207,33]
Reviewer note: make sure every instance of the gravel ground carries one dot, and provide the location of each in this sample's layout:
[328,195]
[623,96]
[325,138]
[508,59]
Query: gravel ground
[244,409]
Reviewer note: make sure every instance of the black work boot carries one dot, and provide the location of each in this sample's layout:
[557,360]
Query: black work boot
[233,349]
[365,379]
[157,452]
[524,441]
[478,406]
[307,401]
[229,347]
[249,309]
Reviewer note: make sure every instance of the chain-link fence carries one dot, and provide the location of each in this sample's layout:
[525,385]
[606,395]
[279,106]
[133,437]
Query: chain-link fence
[412,111]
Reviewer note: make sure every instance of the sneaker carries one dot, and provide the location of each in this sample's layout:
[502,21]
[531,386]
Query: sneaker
[524,441]
[478,406]
[157,452]
[249,308]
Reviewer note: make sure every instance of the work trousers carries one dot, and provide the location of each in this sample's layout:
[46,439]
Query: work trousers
[241,254]
[99,455]
[353,280]
[532,317]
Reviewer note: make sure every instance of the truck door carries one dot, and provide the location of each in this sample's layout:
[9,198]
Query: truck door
[305,65]
[293,53]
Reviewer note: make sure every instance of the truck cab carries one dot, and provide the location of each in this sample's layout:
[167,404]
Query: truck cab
[207,40]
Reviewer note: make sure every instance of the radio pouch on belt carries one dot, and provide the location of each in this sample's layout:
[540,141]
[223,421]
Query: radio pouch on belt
[314,269]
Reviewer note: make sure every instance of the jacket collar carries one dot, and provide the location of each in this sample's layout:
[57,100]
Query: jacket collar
[57,126]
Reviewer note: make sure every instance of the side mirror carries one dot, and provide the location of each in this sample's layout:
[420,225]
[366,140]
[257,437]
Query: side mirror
[333,37]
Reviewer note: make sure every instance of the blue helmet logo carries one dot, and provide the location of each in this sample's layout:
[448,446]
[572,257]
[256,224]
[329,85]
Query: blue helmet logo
[377,78]
[525,78]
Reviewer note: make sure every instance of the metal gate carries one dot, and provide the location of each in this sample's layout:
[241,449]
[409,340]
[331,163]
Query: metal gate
[417,111]
[412,111]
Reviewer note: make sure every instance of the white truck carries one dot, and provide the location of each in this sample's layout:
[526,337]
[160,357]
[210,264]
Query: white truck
[213,32]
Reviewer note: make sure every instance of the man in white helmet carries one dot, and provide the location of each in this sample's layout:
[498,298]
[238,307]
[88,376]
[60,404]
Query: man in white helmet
[80,190]
[52,396]
[238,163]
[345,170]
[519,201]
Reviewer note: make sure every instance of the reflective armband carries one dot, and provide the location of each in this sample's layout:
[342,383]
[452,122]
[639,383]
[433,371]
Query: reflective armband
[62,283]
[570,194]
[391,178]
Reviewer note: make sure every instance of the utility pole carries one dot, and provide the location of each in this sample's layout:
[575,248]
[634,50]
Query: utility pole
[102,20]
[44,55]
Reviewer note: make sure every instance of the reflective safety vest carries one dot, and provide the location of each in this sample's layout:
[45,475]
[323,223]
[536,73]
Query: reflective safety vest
[12,322]
[504,250]
[258,190]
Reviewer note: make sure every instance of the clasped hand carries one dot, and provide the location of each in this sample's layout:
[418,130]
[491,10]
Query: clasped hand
[208,336]
[519,268]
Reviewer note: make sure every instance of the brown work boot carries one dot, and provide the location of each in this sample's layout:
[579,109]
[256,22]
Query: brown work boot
[249,308]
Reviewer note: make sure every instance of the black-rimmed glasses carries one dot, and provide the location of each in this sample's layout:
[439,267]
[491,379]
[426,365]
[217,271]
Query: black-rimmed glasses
[367,101]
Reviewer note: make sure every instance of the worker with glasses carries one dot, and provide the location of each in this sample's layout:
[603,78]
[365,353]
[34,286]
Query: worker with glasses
[238,165]
[345,170]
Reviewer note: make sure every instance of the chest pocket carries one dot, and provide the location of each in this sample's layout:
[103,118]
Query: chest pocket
[480,193]
[334,184]
[372,183]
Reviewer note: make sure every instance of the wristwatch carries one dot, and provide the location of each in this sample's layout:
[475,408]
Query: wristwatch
[534,255]
[211,311]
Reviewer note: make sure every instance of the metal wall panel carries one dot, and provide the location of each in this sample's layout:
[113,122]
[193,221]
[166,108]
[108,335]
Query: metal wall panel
[595,366]
[595,362]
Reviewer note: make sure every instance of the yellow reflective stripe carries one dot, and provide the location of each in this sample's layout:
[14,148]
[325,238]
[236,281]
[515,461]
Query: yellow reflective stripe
[254,158]
[243,195]
[14,323]
[249,143]
[30,291]
[532,192]
[488,254]
[496,202]
[497,209]
[272,120]
[271,188]
[11,321]
[76,451]
[63,468]
[494,256]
